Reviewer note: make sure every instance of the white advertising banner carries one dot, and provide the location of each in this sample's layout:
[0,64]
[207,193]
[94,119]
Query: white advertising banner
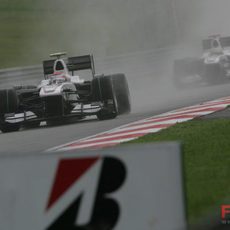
[136,187]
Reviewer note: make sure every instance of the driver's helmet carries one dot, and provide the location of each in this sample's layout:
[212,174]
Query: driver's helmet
[60,70]
[215,44]
[60,66]
[216,47]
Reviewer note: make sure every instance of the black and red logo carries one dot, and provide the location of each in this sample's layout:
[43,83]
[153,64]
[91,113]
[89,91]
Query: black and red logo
[92,182]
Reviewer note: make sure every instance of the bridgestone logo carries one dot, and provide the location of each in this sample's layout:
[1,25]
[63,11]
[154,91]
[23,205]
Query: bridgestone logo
[82,194]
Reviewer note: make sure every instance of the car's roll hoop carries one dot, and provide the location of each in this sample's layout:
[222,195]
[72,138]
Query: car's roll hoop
[58,55]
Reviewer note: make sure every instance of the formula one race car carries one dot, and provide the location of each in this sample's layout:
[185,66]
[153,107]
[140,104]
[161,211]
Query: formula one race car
[62,95]
[212,68]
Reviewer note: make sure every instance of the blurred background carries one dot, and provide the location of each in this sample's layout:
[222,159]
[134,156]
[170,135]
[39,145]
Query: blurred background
[30,30]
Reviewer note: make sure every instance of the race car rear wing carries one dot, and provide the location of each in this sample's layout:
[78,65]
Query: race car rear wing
[81,63]
[48,67]
[207,43]
[73,64]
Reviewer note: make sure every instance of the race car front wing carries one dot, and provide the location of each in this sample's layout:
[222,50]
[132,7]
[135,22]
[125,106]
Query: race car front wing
[79,110]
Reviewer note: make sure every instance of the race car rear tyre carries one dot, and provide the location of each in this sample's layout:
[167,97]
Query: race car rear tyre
[9,102]
[8,127]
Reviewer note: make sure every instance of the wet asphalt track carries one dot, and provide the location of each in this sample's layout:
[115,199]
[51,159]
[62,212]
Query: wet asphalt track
[42,138]
[152,93]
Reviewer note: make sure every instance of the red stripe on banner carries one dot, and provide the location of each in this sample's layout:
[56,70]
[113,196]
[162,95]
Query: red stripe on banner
[68,172]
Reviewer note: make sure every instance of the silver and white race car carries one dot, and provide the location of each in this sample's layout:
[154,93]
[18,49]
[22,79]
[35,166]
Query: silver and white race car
[212,67]
[63,95]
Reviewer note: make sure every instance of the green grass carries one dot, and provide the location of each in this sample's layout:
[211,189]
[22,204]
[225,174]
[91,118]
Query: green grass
[27,29]
[16,24]
[206,149]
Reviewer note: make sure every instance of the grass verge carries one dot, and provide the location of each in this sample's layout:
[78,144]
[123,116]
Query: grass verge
[206,149]
[29,31]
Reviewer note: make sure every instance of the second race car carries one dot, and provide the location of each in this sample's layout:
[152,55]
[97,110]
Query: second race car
[62,95]
[212,67]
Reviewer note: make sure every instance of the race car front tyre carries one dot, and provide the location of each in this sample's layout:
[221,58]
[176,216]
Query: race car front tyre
[109,99]
[121,90]
[113,91]
[8,127]
[8,101]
